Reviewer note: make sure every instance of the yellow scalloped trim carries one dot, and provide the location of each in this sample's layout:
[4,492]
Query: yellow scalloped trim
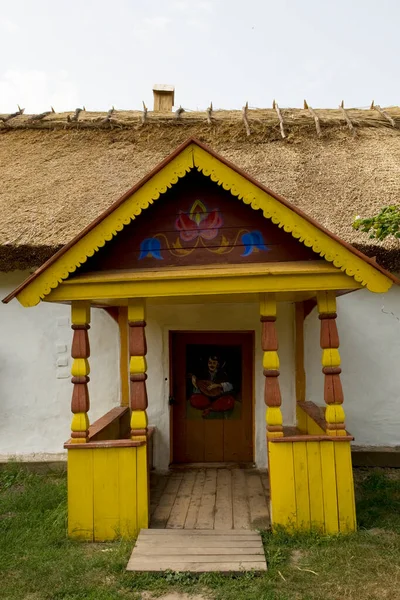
[107,229]
[238,185]
[301,229]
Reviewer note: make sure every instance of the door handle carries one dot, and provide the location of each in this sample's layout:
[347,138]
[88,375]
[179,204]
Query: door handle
[171,401]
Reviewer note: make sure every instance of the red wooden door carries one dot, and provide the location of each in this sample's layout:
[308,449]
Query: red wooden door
[212,396]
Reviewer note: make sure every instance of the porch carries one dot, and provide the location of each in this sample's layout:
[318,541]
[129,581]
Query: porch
[210,498]
[216,236]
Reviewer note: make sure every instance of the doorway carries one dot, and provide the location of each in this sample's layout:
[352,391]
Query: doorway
[212,396]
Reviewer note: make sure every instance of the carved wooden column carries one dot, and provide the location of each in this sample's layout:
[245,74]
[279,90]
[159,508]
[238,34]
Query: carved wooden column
[333,392]
[272,393]
[137,369]
[80,352]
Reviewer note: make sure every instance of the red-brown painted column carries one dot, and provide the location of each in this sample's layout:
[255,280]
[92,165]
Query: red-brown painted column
[329,340]
[137,369]
[80,352]
[272,393]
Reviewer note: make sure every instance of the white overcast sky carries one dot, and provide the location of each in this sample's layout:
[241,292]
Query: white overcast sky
[103,53]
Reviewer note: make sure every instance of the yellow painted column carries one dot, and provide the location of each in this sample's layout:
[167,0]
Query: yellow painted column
[124,354]
[300,372]
[137,369]
[272,394]
[138,401]
[333,392]
[80,352]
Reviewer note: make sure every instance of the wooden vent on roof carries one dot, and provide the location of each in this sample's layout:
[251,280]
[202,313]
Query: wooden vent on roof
[163,97]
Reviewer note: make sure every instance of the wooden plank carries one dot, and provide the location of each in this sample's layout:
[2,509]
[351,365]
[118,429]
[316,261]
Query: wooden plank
[163,510]
[259,513]
[199,532]
[127,482]
[315,485]
[283,495]
[180,508]
[195,500]
[205,517]
[173,540]
[241,509]
[194,436]
[264,475]
[80,495]
[301,485]
[214,440]
[345,487]
[198,558]
[329,491]
[196,551]
[142,487]
[158,483]
[105,494]
[196,567]
[223,505]
[201,543]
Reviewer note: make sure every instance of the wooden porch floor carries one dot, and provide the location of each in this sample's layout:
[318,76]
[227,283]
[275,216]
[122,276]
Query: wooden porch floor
[210,498]
[201,520]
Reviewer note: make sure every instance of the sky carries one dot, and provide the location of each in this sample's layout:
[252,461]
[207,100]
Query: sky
[228,52]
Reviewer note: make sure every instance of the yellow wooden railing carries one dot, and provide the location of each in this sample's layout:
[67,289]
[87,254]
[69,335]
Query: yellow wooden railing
[108,494]
[311,477]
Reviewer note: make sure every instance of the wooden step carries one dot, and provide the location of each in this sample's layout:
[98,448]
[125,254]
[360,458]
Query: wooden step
[197,551]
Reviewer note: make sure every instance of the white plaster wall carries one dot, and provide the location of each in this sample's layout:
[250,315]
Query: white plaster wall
[369,330]
[235,317]
[35,364]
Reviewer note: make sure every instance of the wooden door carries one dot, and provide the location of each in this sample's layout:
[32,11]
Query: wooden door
[212,396]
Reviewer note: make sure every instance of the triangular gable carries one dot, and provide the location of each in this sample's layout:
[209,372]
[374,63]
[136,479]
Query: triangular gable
[195,155]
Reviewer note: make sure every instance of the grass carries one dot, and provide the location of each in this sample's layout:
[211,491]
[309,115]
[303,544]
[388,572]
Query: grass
[38,561]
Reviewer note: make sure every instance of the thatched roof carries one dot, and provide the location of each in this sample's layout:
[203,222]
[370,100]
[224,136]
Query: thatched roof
[57,175]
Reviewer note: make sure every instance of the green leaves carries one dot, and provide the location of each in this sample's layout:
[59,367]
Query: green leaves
[382,225]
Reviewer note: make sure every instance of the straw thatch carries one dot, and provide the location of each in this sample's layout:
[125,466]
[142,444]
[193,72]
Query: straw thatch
[58,174]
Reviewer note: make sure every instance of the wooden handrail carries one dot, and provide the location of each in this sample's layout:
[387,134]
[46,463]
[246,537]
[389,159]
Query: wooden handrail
[314,412]
[113,416]
[103,444]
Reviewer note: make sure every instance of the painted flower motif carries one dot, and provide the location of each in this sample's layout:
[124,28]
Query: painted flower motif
[150,247]
[253,241]
[198,223]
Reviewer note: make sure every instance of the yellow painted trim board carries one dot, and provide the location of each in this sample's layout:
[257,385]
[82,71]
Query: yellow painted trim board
[142,488]
[123,355]
[282,482]
[329,491]
[197,287]
[128,482]
[314,485]
[345,487]
[106,494]
[301,485]
[80,494]
[194,156]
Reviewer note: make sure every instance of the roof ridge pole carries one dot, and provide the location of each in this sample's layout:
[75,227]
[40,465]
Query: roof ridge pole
[107,119]
[383,113]
[245,119]
[278,112]
[144,114]
[314,116]
[20,111]
[75,117]
[347,118]
[209,112]
[41,116]
[178,113]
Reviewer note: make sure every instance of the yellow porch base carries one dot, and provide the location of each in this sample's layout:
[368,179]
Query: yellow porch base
[312,486]
[107,492]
